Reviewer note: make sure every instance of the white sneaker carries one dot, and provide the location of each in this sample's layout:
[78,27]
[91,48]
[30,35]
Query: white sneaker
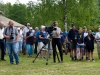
[88,60]
[93,60]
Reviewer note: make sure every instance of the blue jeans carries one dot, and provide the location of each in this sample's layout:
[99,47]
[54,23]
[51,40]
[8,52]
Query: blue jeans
[12,52]
[29,48]
[24,43]
[19,46]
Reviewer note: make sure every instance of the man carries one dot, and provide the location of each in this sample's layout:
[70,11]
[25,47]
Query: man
[72,35]
[2,45]
[97,37]
[11,35]
[25,30]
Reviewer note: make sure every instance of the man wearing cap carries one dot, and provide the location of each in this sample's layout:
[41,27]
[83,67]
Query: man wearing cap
[72,36]
[97,37]
[2,40]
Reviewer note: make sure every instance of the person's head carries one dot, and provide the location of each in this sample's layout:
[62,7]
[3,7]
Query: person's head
[42,28]
[18,29]
[30,29]
[89,32]
[36,28]
[1,24]
[55,23]
[79,30]
[73,26]
[85,29]
[99,30]
[28,25]
[22,27]
[11,23]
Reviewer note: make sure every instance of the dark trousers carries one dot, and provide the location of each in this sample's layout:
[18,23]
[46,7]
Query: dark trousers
[2,49]
[57,41]
[36,44]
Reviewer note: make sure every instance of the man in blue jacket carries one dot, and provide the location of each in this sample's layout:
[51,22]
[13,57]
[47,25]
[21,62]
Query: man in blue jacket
[72,35]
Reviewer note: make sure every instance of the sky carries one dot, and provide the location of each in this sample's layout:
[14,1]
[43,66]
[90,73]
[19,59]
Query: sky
[22,1]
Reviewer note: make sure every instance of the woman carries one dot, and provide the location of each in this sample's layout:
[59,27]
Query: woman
[20,40]
[29,42]
[56,41]
[80,44]
[89,41]
[44,41]
[85,33]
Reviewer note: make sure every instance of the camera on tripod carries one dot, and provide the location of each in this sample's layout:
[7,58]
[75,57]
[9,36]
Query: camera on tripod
[49,29]
[11,36]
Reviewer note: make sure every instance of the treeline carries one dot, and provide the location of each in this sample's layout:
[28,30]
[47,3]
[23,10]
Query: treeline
[80,12]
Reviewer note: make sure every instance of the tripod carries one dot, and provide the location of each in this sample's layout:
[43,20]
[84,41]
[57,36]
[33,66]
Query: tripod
[47,53]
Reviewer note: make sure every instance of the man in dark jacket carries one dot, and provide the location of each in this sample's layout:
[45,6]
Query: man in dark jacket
[72,35]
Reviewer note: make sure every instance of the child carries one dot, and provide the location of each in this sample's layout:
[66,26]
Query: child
[80,44]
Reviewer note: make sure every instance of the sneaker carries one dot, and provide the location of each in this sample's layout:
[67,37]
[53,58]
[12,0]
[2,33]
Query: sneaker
[17,63]
[88,60]
[93,60]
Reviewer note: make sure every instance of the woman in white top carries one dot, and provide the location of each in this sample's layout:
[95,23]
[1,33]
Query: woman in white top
[56,40]
[20,40]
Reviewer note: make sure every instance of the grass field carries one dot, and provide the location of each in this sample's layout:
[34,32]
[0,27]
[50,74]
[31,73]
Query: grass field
[68,67]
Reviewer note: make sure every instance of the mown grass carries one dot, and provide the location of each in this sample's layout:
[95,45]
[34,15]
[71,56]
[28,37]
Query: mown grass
[68,67]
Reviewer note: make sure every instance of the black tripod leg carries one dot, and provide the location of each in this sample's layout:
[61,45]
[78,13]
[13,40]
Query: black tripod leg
[48,53]
[38,54]
[47,58]
[57,57]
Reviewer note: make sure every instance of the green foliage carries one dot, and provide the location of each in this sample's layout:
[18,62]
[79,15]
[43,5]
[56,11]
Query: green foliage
[80,12]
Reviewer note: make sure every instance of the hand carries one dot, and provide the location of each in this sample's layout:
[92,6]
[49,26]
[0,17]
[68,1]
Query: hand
[77,43]
[16,40]
[24,38]
[71,40]
[8,37]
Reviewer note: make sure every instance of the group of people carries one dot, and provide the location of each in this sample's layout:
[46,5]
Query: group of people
[81,43]
[27,40]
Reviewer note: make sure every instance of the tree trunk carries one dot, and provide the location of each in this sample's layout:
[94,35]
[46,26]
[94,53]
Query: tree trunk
[65,17]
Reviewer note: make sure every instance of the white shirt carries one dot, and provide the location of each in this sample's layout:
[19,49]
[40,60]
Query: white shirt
[20,36]
[54,32]
[97,35]
[85,34]
[25,30]
[1,33]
